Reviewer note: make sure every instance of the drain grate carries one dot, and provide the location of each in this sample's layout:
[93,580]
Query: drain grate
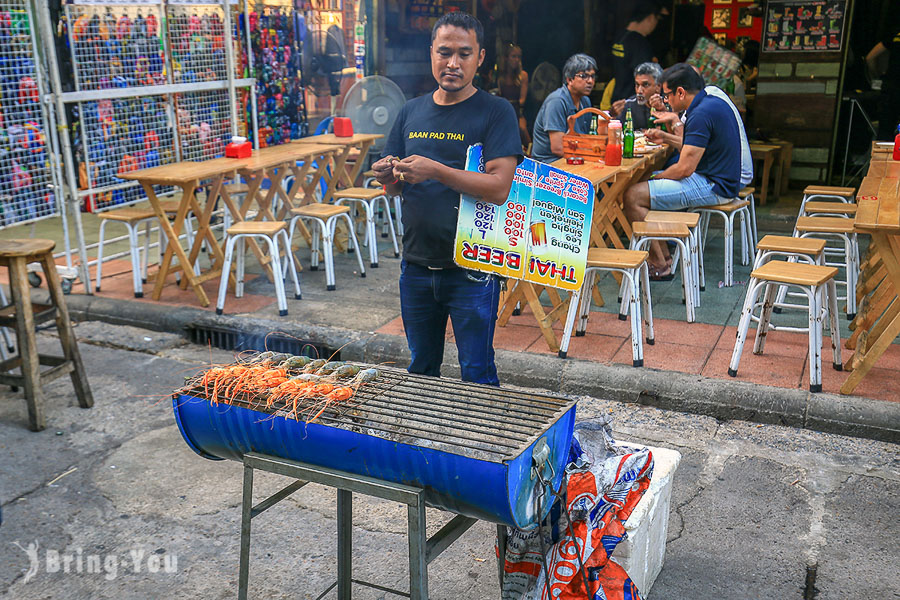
[232,339]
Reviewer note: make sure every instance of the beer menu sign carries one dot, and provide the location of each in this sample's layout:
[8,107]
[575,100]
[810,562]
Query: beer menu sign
[539,235]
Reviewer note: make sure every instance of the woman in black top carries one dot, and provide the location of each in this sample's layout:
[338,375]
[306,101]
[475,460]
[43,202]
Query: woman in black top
[512,81]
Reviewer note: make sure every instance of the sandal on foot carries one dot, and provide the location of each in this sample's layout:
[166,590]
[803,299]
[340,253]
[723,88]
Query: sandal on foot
[664,274]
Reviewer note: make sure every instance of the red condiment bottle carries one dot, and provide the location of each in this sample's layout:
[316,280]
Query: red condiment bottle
[897,144]
[613,156]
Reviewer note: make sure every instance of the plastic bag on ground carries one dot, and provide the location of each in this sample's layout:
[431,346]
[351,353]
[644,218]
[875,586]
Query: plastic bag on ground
[601,489]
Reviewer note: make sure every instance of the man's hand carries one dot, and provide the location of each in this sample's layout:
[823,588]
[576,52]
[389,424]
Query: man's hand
[656,102]
[655,136]
[617,106]
[667,117]
[384,170]
[416,169]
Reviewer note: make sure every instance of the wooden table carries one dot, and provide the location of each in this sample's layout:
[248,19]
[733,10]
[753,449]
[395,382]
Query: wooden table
[271,163]
[342,174]
[608,224]
[877,323]
[187,176]
[768,153]
[274,164]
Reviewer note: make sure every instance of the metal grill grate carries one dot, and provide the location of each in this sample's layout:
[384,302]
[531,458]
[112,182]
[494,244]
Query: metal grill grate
[464,418]
[26,193]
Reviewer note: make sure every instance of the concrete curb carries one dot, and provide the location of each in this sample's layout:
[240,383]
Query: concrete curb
[719,398]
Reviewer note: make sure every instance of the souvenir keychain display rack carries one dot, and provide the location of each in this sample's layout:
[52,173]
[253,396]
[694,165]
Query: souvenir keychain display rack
[27,182]
[277,28]
[140,46]
[139,100]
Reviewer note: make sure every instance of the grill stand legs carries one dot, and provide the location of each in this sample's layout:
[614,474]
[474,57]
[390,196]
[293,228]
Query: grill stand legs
[422,550]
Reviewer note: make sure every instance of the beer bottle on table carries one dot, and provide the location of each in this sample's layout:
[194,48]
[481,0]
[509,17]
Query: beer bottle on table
[628,136]
[593,130]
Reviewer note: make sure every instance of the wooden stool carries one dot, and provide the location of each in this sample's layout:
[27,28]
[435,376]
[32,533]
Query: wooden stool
[692,221]
[728,212]
[842,230]
[808,250]
[828,192]
[818,208]
[271,232]
[324,219]
[747,194]
[643,233]
[817,283]
[632,264]
[132,218]
[24,316]
[369,199]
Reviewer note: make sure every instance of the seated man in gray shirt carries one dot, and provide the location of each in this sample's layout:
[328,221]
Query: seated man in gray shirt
[579,74]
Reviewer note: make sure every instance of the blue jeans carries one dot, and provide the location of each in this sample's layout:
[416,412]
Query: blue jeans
[469,298]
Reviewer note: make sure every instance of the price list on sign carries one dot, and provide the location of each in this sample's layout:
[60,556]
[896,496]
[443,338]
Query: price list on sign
[540,234]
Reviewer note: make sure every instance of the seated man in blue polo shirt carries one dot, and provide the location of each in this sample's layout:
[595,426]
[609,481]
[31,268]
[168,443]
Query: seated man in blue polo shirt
[708,170]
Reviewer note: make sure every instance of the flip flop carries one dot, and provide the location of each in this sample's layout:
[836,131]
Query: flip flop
[665,274]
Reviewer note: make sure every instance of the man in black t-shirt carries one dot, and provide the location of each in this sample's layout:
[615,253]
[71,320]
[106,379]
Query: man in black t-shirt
[889,104]
[424,159]
[633,48]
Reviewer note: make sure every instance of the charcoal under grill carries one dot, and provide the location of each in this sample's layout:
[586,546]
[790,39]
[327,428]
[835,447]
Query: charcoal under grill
[471,447]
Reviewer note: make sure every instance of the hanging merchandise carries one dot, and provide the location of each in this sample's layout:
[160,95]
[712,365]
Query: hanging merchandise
[115,46]
[196,37]
[359,48]
[120,135]
[26,191]
[276,34]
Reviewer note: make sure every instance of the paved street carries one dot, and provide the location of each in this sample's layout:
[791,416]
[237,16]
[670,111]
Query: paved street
[115,497]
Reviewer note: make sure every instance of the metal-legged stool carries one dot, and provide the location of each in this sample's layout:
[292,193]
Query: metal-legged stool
[645,232]
[132,218]
[24,316]
[692,221]
[324,219]
[817,283]
[633,266]
[728,212]
[271,232]
[370,198]
[829,193]
[840,229]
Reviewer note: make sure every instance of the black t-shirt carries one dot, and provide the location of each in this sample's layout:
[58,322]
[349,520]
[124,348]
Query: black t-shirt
[891,41]
[444,134]
[640,114]
[631,50]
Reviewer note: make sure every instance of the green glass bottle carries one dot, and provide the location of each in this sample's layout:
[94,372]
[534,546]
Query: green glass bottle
[628,136]
[593,130]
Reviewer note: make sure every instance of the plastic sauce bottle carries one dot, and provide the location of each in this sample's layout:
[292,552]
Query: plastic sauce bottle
[613,156]
[897,144]
[628,136]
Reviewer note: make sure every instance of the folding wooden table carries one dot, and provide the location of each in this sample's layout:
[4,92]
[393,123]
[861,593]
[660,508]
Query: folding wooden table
[187,176]
[343,174]
[877,323]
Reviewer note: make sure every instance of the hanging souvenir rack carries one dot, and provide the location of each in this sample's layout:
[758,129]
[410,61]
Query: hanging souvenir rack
[154,82]
[28,184]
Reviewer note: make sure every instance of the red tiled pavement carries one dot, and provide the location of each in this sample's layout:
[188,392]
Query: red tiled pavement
[698,349]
